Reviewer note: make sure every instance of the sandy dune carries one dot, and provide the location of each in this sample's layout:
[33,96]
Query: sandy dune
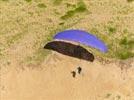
[53,81]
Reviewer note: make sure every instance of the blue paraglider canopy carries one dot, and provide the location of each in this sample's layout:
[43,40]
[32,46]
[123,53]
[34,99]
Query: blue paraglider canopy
[82,37]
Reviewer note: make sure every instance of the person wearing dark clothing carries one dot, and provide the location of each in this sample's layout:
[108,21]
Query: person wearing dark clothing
[73,73]
[79,70]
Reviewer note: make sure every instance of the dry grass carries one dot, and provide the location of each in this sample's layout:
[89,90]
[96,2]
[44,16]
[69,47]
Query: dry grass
[43,19]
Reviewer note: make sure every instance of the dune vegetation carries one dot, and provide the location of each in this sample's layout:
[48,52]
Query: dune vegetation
[27,25]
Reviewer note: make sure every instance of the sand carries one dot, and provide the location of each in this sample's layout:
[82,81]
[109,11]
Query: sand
[53,81]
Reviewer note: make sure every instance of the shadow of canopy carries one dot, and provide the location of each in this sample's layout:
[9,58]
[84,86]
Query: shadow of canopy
[70,50]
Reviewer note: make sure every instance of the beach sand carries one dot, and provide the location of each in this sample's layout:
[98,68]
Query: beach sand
[53,80]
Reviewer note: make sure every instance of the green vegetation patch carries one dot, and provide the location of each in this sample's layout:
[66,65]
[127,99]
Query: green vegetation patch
[57,2]
[111,29]
[124,54]
[68,15]
[4,0]
[130,0]
[108,95]
[127,43]
[69,5]
[81,7]
[120,48]
[28,0]
[41,5]
[126,48]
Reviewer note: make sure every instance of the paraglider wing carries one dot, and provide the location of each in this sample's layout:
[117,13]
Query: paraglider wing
[70,50]
[83,38]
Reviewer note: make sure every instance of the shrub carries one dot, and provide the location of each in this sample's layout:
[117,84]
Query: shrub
[28,0]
